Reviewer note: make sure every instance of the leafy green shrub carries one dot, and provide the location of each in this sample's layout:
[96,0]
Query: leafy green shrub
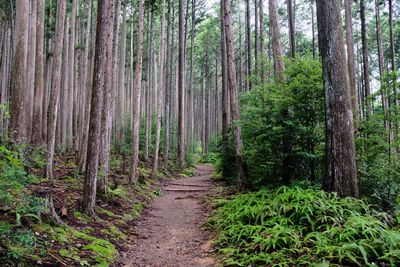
[283,126]
[303,227]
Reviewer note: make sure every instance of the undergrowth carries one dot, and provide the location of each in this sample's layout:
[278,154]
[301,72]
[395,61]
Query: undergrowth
[304,227]
[27,238]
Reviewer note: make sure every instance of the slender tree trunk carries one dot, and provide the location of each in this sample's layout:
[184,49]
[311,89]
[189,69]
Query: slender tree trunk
[248,44]
[160,92]
[225,93]
[19,73]
[381,61]
[149,88]
[276,41]
[56,85]
[31,63]
[393,69]
[350,56]
[256,36]
[181,93]
[292,30]
[37,126]
[71,76]
[85,91]
[241,165]
[137,85]
[168,83]
[191,89]
[121,81]
[88,84]
[262,45]
[341,175]
[103,38]
[367,87]
[314,50]
[106,114]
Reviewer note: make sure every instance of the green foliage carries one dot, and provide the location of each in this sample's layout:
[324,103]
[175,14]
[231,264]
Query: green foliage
[97,249]
[282,126]
[304,227]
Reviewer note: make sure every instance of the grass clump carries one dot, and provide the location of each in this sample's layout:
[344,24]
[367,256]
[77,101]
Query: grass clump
[303,227]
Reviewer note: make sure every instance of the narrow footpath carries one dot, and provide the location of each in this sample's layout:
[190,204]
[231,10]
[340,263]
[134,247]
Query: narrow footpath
[171,232]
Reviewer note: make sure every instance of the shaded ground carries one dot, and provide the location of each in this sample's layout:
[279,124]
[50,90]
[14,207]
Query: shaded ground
[171,233]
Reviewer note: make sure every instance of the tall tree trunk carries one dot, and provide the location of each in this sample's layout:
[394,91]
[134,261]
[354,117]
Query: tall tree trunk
[103,39]
[292,29]
[149,87]
[314,50]
[191,89]
[137,86]
[367,87]
[262,45]
[71,76]
[181,89]
[160,92]
[56,85]
[393,69]
[168,82]
[341,175]
[381,61]
[37,126]
[256,36]
[30,86]
[85,90]
[19,73]
[225,93]
[54,97]
[248,44]
[276,41]
[350,56]
[106,114]
[121,82]
[241,165]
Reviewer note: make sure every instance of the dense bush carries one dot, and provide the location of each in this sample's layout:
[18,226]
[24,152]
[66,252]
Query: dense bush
[282,126]
[303,227]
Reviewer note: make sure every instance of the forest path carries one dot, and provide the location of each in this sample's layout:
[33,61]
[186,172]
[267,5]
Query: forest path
[171,232]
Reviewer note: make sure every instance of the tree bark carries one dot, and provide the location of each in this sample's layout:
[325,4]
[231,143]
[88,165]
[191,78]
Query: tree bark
[292,31]
[149,86]
[231,72]
[262,40]
[364,41]
[248,44]
[393,69]
[121,82]
[19,73]
[350,56]
[276,41]
[160,92]
[56,85]
[106,114]
[103,38]
[340,175]
[256,66]
[191,89]
[137,86]
[168,82]
[181,91]
[225,91]
[381,61]
[37,126]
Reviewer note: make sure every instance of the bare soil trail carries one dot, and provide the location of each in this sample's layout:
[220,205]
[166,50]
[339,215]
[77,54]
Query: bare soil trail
[171,232]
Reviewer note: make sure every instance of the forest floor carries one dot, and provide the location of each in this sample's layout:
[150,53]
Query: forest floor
[171,231]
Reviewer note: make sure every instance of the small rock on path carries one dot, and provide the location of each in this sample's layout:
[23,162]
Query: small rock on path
[171,234]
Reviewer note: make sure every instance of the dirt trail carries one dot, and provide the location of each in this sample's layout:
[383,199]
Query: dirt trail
[171,234]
